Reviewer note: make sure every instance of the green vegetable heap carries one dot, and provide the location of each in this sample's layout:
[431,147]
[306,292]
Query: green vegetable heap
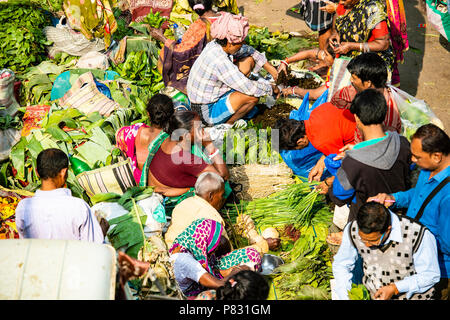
[22,40]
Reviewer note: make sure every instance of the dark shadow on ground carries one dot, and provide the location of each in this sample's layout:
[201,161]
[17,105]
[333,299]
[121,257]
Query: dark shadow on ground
[413,58]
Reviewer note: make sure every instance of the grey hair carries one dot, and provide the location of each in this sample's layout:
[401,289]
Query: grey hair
[208,182]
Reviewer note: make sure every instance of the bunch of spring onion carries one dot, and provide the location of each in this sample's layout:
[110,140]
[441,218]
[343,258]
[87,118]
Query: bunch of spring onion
[298,204]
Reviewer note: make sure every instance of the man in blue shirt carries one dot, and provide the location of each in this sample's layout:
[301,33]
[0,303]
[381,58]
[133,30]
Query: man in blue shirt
[430,147]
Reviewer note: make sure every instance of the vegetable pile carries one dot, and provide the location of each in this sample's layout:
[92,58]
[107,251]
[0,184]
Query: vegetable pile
[22,40]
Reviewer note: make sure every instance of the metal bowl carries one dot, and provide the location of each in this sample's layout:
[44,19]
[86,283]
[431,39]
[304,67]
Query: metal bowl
[269,263]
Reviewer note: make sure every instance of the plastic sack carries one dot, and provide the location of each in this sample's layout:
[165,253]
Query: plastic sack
[304,111]
[7,98]
[414,113]
[8,138]
[93,60]
[150,206]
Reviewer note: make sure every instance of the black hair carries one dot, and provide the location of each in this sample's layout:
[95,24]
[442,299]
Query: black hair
[373,217]
[434,139]
[50,162]
[160,108]
[223,247]
[181,119]
[290,131]
[222,42]
[370,106]
[369,66]
[249,285]
[207,4]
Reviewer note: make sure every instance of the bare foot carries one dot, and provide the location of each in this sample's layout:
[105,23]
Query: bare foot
[335,238]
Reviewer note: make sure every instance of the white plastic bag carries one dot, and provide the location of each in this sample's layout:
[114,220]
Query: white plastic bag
[93,60]
[340,216]
[414,112]
[8,139]
[111,210]
[7,98]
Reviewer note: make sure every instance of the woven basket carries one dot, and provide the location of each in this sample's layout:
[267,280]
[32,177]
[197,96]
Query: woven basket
[259,181]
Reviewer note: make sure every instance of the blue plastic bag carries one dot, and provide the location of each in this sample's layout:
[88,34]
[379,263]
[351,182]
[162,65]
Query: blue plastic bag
[62,84]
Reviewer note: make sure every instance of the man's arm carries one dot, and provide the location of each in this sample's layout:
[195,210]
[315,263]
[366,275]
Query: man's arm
[426,265]
[343,265]
[229,74]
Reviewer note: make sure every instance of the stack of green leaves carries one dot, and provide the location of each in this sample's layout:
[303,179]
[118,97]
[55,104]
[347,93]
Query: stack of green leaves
[22,40]
[307,272]
[89,138]
[139,69]
[358,292]
[277,45]
[49,5]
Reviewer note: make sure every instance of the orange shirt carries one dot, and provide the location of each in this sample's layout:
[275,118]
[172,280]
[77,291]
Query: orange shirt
[330,128]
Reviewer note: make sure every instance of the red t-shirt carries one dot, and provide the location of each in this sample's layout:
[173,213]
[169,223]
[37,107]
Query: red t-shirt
[379,31]
[330,128]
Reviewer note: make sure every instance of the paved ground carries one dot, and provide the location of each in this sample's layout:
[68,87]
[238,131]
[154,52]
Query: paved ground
[426,69]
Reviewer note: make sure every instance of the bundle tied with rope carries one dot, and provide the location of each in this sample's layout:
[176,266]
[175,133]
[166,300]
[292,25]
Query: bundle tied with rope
[260,180]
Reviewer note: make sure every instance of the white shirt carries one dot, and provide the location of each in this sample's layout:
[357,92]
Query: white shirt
[186,269]
[57,214]
[425,263]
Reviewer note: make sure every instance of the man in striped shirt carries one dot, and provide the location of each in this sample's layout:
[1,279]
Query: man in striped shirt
[53,213]
[218,86]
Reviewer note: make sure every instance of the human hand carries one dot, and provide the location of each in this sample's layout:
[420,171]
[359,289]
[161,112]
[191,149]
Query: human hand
[158,34]
[130,268]
[386,292]
[343,48]
[386,199]
[330,7]
[282,68]
[316,172]
[334,40]
[276,90]
[273,243]
[342,150]
[325,185]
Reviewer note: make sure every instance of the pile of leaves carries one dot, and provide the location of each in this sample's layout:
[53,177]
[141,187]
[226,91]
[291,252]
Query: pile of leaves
[277,45]
[87,137]
[22,40]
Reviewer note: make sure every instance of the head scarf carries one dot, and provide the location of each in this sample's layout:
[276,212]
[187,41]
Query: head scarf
[232,27]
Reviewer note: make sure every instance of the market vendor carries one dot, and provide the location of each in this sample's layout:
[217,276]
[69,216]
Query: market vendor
[53,213]
[208,200]
[171,167]
[135,139]
[218,85]
[328,129]
[399,256]
[202,257]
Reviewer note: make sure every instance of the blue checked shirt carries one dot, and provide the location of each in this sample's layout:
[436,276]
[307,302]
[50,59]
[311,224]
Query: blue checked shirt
[436,215]
[214,74]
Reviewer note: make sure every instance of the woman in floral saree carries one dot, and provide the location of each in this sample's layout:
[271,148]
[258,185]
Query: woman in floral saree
[202,244]
[362,26]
